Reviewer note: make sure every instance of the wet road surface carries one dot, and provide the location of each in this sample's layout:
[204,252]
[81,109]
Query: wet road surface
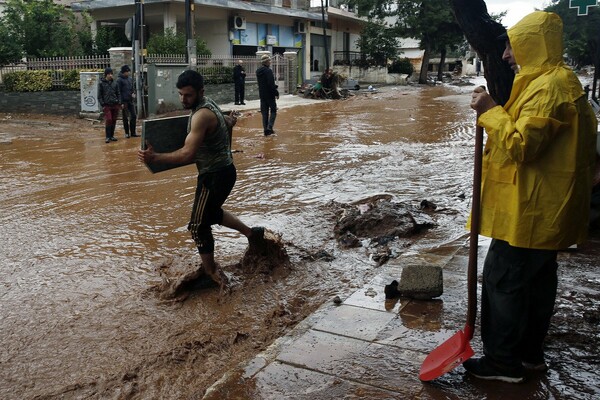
[86,228]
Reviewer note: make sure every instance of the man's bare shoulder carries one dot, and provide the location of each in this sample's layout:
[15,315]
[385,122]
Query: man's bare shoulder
[204,118]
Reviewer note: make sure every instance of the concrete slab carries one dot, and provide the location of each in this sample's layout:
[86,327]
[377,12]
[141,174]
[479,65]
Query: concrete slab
[282,381]
[357,322]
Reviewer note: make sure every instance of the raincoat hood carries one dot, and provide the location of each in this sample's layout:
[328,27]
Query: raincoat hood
[537,44]
[537,41]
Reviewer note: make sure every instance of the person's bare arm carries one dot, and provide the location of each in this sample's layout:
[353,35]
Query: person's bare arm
[203,121]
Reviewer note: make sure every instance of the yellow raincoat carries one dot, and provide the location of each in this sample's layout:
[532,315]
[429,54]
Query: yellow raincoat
[539,155]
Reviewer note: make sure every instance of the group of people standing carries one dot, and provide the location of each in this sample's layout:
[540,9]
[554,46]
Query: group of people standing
[267,91]
[114,96]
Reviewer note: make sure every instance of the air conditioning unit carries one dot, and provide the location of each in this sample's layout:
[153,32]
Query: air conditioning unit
[238,22]
[299,26]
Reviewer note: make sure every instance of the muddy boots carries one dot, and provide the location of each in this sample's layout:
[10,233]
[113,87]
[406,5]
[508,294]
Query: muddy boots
[110,134]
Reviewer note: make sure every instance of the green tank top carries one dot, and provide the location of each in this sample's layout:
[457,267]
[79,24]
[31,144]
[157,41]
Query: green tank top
[215,151]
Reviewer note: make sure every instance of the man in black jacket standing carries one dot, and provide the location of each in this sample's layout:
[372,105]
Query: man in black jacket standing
[125,84]
[239,80]
[267,90]
[109,98]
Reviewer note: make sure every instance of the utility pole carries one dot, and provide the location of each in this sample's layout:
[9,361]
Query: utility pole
[325,35]
[189,34]
[139,52]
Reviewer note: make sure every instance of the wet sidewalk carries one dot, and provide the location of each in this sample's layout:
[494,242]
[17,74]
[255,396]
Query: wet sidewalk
[367,347]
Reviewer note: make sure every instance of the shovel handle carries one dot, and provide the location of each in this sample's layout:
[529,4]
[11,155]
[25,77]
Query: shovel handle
[474,236]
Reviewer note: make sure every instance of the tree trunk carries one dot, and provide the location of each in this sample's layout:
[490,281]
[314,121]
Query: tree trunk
[425,62]
[440,73]
[482,34]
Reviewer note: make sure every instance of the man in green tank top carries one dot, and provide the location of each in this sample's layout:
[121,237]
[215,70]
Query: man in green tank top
[208,145]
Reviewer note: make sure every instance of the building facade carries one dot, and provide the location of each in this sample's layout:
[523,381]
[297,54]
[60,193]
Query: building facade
[243,28]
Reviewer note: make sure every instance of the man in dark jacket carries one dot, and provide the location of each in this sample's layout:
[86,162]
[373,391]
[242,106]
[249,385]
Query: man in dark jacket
[267,90]
[109,98]
[127,101]
[239,80]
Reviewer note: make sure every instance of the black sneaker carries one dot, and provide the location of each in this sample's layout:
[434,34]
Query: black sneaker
[257,235]
[236,103]
[107,140]
[539,366]
[113,139]
[134,135]
[242,103]
[269,132]
[391,290]
[483,369]
[127,136]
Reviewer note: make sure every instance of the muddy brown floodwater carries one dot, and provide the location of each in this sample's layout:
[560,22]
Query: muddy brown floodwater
[86,231]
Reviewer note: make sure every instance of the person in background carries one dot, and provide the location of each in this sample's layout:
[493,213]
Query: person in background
[535,198]
[208,145]
[127,101]
[239,81]
[268,93]
[109,99]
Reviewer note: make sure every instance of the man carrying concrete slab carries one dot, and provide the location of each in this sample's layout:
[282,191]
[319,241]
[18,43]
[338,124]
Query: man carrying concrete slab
[208,145]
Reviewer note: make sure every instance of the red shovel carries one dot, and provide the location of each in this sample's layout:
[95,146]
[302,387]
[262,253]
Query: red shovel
[457,349]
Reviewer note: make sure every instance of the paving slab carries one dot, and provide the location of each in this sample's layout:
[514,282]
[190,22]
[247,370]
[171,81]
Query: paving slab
[356,322]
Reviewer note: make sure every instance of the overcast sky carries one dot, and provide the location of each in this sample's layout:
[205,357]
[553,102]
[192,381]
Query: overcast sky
[517,9]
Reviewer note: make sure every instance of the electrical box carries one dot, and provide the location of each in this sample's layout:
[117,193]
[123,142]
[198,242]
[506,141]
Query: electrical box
[89,91]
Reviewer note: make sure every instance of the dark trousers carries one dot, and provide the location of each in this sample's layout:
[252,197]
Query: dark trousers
[268,109]
[211,192]
[111,113]
[239,92]
[517,301]
[129,117]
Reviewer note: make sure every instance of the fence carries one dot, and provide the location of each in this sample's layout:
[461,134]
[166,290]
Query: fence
[58,65]
[215,68]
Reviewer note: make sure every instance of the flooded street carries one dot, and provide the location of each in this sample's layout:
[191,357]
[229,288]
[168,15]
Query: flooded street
[86,230]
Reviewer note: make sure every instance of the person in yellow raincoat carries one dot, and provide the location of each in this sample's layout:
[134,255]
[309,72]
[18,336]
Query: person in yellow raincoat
[536,187]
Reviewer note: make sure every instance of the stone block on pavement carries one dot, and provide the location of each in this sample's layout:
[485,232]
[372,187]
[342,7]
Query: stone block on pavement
[422,282]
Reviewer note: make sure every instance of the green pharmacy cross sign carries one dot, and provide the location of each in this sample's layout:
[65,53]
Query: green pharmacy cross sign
[582,6]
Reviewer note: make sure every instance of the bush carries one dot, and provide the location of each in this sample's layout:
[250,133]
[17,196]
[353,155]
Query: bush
[28,81]
[401,66]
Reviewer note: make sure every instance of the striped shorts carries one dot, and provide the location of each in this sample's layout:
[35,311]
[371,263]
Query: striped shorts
[211,192]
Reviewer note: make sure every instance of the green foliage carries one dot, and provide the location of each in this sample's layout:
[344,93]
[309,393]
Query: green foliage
[377,43]
[28,81]
[10,50]
[169,42]
[41,28]
[107,37]
[401,66]
[581,33]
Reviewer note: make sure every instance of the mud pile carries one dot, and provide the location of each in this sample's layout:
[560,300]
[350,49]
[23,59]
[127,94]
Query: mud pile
[180,276]
[381,225]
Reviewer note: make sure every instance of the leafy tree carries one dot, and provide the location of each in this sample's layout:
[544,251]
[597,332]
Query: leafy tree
[429,21]
[378,43]
[169,42]
[10,50]
[40,28]
[107,37]
[581,35]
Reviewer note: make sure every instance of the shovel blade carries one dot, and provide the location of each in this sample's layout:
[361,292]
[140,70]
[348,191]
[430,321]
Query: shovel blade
[447,356]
